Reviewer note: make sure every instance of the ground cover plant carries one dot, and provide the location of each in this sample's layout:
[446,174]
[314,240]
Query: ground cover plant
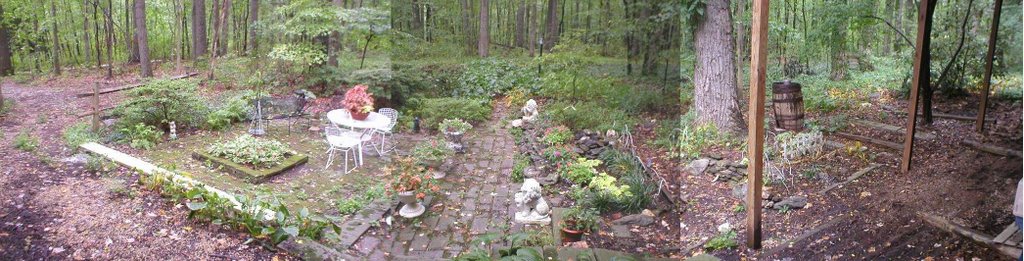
[251,151]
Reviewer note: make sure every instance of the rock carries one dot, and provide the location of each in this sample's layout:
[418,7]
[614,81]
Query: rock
[794,202]
[79,159]
[109,122]
[715,156]
[531,172]
[698,166]
[724,228]
[740,190]
[579,244]
[621,231]
[518,123]
[647,212]
[635,220]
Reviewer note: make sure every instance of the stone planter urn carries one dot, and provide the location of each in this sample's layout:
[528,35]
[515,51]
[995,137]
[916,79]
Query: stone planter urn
[454,140]
[411,205]
[434,166]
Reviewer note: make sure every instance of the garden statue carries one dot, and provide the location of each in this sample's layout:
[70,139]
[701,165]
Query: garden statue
[532,208]
[530,111]
[174,131]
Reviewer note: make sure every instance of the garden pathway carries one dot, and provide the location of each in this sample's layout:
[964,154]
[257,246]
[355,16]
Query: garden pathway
[477,199]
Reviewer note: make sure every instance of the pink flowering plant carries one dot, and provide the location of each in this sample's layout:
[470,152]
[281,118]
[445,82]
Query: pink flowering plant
[557,135]
[559,154]
[358,99]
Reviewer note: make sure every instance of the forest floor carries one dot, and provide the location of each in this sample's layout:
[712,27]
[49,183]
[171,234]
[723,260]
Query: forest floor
[52,209]
[877,215]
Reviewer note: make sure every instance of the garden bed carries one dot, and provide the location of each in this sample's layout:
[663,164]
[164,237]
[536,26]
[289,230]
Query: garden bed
[249,173]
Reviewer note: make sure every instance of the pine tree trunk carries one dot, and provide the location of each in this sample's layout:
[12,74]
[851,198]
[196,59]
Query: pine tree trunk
[199,41]
[141,37]
[715,89]
[484,38]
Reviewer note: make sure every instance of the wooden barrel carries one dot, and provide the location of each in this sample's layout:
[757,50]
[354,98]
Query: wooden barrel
[788,105]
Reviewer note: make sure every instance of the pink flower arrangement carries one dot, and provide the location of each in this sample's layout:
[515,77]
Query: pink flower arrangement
[358,99]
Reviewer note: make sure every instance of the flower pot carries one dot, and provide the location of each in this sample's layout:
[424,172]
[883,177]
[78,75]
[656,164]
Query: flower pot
[569,235]
[434,167]
[411,206]
[454,140]
[357,115]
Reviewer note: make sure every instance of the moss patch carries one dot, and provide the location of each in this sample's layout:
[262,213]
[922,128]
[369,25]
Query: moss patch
[249,173]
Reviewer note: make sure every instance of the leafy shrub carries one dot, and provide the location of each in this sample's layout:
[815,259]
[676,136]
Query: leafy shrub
[581,219]
[6,106]
[348,206]
[161,101]
[557,135]
[487,77]
[249,150]
[78,134]
[454,126]
[640,192]
[588,115]
[519,167]
[725,240]
[142,136]
[580,172]
[235,109]
[433,111]
[25,142]
[604,184]
[431,150]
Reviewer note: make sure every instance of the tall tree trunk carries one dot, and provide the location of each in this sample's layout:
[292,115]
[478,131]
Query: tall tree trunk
[199,41]
[417,20]
[55,51]
[215,27]
[141,37]
[483,43]
[926,62]
[520,29]
[178,28]
[129,33]
[715,89]
[108,15]
[6,66]
[533,26]
[334,45]
[551,36]
[254,15]
[85,32]
[96,32]
[466,26]
[222,45]
[220,17]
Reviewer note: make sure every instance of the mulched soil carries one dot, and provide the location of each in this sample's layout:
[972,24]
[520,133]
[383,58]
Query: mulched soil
[876,216]
[52,210]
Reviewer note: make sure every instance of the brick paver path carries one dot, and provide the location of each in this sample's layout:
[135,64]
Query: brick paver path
[477,198]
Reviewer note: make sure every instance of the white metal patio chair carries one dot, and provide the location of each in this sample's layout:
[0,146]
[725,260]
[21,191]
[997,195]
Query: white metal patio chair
[385,131]
[345,141]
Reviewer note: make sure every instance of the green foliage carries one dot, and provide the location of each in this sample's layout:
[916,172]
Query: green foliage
[434,110]
[556,135]
[234,109]
[722,241]
[605,184]
[582,171]
[581,219]
[454,126]
[516,249]
[588,115]
[141,136]
[693,140]
[249,150]
[559,154]
[432,150]
[829,124]
[488,77]
[78,134]
[6,106]
[519,167]
[25,141]
[351,205]
[159,102]
[99,164]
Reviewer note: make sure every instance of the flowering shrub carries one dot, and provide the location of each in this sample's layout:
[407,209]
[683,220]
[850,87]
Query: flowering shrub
[580,172]
[557,135]
[358,100]
[559,154]
[252,151]
[454,126]
[407,176]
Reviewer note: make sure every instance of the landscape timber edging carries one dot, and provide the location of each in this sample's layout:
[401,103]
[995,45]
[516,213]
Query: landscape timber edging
[250,174]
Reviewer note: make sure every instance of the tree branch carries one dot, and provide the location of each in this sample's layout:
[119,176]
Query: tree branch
[905,39]
[959,47]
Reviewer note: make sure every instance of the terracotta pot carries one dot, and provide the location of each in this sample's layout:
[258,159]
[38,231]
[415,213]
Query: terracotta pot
[569,235]
[356,115]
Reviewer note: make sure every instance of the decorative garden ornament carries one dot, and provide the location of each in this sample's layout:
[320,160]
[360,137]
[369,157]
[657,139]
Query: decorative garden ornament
[411,205]
[258,125]
[532,208]
[530,111]
[455,141]
[174,131]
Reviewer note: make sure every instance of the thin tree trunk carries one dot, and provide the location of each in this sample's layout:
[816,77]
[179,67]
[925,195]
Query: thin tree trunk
[715,89]
[334,43]
[484,38]
[129,33]
[178,28]
[6,66]
[552,24]
[466,27]
[254,14]
[533,26]
[220,17]
[141,37]
[109,17]
[926,63]
[55,51]
[85,34]
[199,41]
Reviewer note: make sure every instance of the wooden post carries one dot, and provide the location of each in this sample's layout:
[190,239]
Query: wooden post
[979,125]
[755,126]
[922,35]
[96,107]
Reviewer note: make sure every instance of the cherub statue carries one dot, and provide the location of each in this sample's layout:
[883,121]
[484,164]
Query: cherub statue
[532,208]
[530,111]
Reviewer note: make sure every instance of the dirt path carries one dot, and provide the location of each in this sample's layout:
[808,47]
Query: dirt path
[53,210]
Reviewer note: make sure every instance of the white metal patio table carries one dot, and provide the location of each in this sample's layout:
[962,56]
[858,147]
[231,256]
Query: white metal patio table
[342,118]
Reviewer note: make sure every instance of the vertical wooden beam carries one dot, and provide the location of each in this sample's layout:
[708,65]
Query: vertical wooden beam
[979,125]
[95,107]
[923,32]
[755,115]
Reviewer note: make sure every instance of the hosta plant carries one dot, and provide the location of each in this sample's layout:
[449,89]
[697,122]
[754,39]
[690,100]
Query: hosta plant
[580,172]
[249,150]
